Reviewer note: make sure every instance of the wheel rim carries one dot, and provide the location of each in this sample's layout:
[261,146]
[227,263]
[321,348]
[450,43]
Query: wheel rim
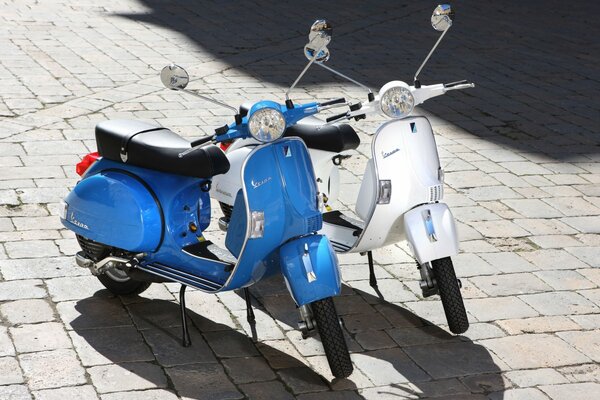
[117,274]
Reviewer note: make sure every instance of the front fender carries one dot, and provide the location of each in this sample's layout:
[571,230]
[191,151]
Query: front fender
[431,232]
[297,264]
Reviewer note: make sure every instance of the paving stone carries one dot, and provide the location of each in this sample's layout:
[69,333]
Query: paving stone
[40,337]
[553,259]
[586,342]
[531,351]
[589,255]
[573,206]
[374,340]
[573,391]
[583,224]
[565,280]
[10,373]
[22,289]
[560,303]
[342,395]
[535,377]
[155,314]
[31,248]
[73,288]
[15,392]
[152,394]
[27,311]
[555,241]
[93,312]
[510,284]
[128,376]
[52,369]
[537,325]
[110,345]
[273,390]
[581,373]
[85,392]
[231,344]
[419,336]
[492,309]
[507,262]
[248,369]
[280,354]
[202,381]
[519,394]
[302,380]
[166,347]
[532,208]
[6,345]
[500,228]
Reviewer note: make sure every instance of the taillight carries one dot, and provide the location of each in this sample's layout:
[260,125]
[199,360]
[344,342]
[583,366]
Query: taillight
[87,161]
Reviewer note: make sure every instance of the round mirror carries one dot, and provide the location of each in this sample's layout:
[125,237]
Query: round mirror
[319,37]
[174,77]
[321,57]
[442,17]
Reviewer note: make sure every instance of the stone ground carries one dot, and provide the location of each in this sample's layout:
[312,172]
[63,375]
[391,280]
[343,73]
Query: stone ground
[522,178]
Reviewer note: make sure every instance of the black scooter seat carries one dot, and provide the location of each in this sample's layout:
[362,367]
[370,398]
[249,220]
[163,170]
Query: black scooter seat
[157,148]
[332,138]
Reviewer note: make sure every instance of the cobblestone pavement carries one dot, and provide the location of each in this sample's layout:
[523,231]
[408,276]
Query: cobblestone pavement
[523,180]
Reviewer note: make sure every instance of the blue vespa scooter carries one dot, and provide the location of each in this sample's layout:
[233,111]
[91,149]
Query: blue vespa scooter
[143,203]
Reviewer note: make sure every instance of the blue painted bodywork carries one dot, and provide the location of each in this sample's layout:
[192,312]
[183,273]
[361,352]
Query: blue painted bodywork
[323,262]
[152,212]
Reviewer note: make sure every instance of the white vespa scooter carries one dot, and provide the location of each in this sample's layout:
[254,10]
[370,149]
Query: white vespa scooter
[402,188]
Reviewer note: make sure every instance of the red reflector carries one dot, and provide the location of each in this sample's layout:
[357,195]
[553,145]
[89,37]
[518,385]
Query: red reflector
[225,145]
[87,161]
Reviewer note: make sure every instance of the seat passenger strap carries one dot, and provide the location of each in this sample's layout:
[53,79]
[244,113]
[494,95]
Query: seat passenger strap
[126,139]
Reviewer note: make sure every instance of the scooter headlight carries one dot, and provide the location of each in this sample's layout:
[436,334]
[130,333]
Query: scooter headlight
[396,100]
[266,124]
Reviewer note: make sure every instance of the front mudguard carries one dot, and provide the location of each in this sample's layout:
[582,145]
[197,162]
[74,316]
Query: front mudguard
[304,286]
[431,232]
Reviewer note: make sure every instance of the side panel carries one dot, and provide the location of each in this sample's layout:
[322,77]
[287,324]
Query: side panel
[431,232]
[278,183]
[116,209]
[310,275]
[404,152]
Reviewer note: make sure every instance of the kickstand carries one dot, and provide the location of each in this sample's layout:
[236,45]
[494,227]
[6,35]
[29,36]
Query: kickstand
[372,277]
[186,341]
[250,314]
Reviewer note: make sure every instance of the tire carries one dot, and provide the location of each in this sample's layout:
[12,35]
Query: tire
[117,282]
[332,337]
[447,284]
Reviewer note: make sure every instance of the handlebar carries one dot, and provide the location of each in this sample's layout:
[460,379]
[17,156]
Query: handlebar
[341,100]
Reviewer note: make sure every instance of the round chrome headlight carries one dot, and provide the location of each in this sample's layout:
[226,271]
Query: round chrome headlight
[266,124]
[396,100]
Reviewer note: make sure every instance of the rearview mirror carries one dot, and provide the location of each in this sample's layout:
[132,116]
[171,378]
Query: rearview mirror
[174,77]
[319,37]
[442,17]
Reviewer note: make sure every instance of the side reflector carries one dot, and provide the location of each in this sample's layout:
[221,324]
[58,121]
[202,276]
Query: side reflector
[87,161]
[257,227]
[385,192]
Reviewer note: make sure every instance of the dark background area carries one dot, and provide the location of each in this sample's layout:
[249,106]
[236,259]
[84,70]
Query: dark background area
[535,63]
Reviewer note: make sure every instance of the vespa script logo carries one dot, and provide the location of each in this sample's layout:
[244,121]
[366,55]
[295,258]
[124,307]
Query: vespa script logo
[79,224]
[387,154]
[258,184]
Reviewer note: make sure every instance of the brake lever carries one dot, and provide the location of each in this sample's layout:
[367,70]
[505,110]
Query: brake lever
[196,144]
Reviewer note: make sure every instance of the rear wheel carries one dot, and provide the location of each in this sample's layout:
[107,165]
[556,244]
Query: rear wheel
[116,280]
[449,290]
[119,283]
[332,337]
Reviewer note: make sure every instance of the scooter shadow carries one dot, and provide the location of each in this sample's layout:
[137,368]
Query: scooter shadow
[401,354]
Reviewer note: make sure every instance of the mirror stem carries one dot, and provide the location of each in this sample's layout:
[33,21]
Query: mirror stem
[312,60]
[344,76]
[417,83]
[209,99]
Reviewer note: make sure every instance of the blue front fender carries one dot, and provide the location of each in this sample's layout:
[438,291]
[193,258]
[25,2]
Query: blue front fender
[297,264]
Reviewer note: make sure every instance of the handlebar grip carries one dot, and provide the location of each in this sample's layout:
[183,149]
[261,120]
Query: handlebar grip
[452,84]
[336,117]
[334,101]
[203,140]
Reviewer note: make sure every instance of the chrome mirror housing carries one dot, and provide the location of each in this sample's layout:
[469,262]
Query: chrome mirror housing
[174,77]
[319,37]
[442,17]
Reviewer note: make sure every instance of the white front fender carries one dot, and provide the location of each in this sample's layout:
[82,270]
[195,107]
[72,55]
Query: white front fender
[431,232]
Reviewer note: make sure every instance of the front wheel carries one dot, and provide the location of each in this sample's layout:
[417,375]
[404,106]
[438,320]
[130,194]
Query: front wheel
[449,290]
[332,337]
